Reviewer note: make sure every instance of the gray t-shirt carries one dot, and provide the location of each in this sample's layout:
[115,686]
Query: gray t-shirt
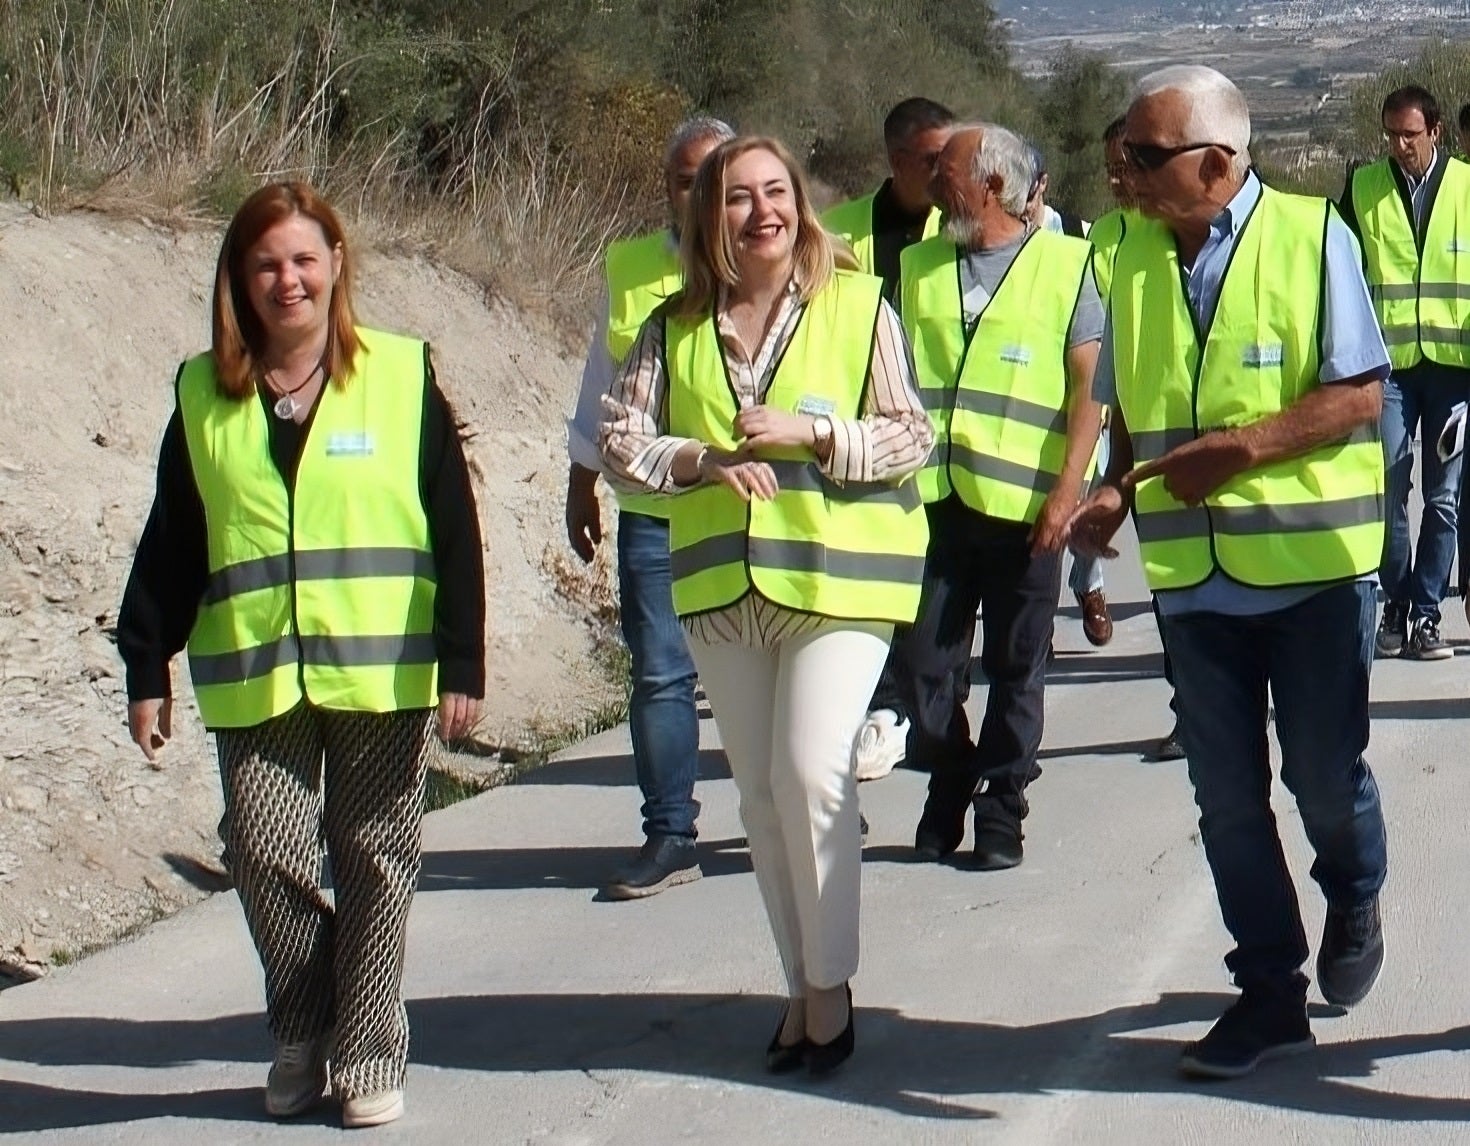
[981,273]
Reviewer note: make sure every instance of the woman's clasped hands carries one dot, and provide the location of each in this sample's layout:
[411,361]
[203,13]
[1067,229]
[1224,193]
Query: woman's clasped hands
[759,428]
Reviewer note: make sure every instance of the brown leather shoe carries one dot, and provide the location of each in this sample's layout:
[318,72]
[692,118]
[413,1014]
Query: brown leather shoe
[1096,622]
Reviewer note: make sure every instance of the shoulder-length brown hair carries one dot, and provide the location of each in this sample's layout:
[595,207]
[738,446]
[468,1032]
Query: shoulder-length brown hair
[707,251]
[239,337]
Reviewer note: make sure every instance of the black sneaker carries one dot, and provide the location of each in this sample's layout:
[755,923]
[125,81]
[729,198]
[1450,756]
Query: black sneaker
[1351,954]
[663,862]
[1255,1028]
[1169,748]
[997,843]
[941,830]
[1425,643]
[1393,631]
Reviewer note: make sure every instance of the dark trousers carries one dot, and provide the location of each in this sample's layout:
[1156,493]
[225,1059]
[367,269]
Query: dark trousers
[1314,659]
[979,562]
[1168,664]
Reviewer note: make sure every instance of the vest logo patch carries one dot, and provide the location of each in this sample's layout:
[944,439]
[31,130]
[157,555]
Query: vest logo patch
[1262,354]
[815,406]
[1016,355]
[350,445]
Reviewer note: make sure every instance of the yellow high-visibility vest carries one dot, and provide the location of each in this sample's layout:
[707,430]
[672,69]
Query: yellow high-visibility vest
[1422,298]
[325,591]
[1307,520]
[845,550]
[997,396]
[1008,433]
[641,274]
[852,222]
[1105,236]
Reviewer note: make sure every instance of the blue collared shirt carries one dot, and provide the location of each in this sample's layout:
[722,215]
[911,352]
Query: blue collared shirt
[1352,346]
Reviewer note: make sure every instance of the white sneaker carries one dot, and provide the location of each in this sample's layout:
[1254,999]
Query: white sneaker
[372,1109]
[880,744]
[297,1078]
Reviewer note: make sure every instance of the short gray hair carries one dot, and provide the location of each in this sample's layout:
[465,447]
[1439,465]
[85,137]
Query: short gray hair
[1005,154]
[1218,112]
[700,127]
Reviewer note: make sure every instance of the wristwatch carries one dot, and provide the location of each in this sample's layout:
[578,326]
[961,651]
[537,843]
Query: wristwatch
[821,432]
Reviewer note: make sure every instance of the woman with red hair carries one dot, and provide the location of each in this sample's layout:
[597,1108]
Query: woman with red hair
[314,542]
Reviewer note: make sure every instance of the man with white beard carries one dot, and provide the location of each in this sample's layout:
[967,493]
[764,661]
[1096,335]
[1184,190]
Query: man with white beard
[1005,322]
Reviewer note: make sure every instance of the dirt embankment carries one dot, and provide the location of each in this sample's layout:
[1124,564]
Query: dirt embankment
[97,313]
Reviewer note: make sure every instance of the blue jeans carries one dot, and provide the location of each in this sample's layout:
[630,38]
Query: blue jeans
[1314,658]
[661,713]
[1087,572]
[1420,398]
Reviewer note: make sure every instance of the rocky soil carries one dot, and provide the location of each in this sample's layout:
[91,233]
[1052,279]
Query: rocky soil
[96,315]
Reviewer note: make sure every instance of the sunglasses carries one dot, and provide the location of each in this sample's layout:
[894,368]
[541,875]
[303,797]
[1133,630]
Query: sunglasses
[1150,156]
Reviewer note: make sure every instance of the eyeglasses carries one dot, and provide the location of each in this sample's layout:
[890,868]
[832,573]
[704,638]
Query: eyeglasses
[1150,156]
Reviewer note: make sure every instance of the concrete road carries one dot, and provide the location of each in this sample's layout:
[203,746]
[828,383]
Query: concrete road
[1042,1005]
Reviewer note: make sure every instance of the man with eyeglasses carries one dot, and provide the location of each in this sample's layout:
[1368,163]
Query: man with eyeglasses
[878,227]
[1245,375]
[1411,209]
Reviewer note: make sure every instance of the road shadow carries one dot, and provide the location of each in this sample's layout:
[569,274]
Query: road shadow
[919,1067]
[584,868]
[1120,611]
[1430,708]
[1093,668]
[1142,748]
[614,770]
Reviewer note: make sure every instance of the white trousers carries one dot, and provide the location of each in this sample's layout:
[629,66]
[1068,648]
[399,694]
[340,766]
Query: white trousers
[787,717]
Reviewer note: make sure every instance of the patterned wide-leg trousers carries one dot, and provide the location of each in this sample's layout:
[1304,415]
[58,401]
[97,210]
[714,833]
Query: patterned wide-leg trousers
[352,784]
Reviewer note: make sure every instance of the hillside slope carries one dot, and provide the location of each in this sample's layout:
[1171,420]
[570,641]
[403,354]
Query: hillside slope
[97,313]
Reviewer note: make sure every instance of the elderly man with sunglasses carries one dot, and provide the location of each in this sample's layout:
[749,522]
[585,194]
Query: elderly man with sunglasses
[1246,375]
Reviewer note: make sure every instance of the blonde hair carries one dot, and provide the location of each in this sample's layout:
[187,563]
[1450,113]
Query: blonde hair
[705,247]
[239,339]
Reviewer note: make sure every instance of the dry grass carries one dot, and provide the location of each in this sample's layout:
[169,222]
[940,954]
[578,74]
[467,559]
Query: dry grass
[110,106]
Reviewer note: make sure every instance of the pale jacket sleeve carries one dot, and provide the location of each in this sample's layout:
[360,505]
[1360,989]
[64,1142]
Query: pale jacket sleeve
[637,449]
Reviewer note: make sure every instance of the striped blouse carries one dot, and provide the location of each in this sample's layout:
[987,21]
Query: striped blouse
[891,439]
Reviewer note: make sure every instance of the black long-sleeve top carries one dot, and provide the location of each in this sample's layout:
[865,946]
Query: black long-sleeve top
[171,568]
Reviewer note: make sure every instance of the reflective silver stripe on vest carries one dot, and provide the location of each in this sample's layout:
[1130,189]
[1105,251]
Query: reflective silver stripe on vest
[1012,409]
[353,652]
[1399,292]
[1404,334]
[793,556]
[1452,335]
[318,565]
[1172,524]
[935,397]
[1393,292]
[1306,517]
[807,477]
[243,664]
[998,469]
[332,652]
[1151,444]
[1181,523]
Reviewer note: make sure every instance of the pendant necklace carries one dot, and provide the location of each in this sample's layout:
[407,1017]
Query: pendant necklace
[285,406]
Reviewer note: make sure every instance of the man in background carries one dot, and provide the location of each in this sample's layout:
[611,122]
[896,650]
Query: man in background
[663,721]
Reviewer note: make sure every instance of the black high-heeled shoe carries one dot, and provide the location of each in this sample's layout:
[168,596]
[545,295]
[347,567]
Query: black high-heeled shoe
[823,1058]
[782,1059]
